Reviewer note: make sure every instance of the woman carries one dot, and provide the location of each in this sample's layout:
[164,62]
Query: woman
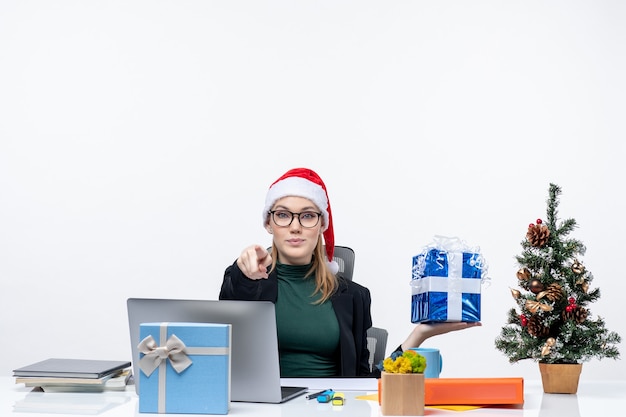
[322,318]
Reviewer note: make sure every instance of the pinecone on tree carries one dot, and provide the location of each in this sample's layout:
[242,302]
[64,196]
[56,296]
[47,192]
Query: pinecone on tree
[536,328]
[538,235]
[578,314]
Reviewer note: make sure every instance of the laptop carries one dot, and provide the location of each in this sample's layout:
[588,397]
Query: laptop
[255,370]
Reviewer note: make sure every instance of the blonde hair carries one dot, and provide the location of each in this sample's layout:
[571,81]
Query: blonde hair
[325,281]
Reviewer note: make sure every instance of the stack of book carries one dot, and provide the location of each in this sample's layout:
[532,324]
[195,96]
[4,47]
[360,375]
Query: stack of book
[75,375]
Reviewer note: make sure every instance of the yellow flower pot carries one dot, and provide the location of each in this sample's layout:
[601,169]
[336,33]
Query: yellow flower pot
[402,394]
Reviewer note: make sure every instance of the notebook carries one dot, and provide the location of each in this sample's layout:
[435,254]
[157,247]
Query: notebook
[255,371]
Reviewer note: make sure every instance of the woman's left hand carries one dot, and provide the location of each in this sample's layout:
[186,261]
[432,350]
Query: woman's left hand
[423,331]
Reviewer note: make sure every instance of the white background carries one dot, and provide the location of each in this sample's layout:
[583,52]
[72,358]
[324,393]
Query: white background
[138,138]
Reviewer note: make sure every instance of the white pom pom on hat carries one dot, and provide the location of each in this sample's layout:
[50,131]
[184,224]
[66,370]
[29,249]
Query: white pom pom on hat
[304,182]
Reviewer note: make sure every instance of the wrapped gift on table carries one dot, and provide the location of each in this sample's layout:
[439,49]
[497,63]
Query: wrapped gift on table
[446,282]
[184,368]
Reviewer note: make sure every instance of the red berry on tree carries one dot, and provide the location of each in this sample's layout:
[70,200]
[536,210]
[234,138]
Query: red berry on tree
[539,221]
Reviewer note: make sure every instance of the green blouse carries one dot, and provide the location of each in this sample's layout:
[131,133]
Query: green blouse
[308,333]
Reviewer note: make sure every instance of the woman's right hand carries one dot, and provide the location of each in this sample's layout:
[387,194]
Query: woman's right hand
[253,262]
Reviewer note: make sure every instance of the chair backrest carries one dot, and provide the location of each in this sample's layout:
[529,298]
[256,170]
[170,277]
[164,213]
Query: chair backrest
[376,344]
[344,256]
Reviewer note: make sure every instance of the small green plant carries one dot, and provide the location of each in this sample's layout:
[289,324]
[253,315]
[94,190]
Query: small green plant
[407,362]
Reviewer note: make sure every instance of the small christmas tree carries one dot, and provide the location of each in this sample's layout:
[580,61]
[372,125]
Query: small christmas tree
[552,322]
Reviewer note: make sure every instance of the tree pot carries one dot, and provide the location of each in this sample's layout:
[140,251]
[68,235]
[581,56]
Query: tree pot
[560,378]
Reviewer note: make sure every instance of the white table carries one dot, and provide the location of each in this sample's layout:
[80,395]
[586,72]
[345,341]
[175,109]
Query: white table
[594,399]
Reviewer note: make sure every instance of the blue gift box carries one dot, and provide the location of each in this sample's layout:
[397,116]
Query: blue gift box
[184,368]
[446,286]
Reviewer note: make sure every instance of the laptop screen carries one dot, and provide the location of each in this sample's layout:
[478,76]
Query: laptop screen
[255,371]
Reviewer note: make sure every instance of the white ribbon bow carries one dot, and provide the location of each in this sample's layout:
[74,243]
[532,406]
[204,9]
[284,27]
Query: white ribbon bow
[174,350]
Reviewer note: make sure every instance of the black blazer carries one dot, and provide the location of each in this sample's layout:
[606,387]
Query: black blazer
[351,303]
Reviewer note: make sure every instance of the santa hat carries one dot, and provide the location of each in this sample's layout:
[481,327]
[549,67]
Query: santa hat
[303,182]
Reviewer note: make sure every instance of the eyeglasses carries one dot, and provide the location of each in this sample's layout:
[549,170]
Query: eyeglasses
[284,218]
